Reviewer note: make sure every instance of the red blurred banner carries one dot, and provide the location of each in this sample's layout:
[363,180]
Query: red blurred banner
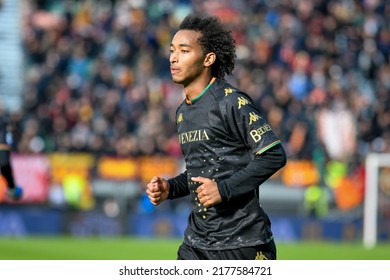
[31,172]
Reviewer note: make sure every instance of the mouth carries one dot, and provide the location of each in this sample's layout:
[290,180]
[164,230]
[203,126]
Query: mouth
[174,70]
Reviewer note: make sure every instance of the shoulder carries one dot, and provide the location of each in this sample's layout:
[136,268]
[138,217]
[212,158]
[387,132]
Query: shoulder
[229,95]
[180,108]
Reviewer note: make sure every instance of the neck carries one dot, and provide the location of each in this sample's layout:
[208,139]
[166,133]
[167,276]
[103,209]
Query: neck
[196,87]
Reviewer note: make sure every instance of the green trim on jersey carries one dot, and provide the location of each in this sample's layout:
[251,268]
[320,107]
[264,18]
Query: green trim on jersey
[268,147]
[200,95]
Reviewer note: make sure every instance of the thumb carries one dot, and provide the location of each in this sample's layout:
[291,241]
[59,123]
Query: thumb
[155,179]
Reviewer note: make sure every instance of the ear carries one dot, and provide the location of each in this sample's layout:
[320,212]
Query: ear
[209,59]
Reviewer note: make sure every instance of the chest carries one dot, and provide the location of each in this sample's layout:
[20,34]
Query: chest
[199,124]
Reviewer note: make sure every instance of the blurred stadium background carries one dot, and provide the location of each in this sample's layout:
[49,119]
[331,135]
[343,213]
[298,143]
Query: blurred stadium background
[87,88]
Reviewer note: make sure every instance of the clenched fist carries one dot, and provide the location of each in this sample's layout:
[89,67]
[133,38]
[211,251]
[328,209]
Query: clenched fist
[157,190]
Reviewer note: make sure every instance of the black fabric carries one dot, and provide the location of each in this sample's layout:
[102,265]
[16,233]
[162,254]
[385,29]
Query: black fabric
[220,134]
[4,156]
[259,252]
[256,173]
[5,164]
[3,130]
[6,171]
[178,186]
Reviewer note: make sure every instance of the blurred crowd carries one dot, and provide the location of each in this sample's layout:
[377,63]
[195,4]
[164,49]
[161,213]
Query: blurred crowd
[97,74]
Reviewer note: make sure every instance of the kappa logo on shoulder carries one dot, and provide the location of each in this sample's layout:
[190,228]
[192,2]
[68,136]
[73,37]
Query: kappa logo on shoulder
[242,101]
[180,118]
[228,90]
[253,117]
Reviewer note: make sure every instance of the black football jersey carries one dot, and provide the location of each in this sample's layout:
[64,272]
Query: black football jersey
[220,133]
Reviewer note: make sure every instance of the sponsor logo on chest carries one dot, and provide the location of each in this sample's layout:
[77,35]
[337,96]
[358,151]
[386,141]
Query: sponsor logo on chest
[193,136]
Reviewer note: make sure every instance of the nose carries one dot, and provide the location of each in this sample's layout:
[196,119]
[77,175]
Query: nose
[173,57]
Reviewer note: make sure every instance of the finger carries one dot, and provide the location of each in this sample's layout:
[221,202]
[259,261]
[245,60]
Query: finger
[199,179]
[153,187]
[155,179]
[154,201]
[200,189]
[154,193]
[154,197]
[207,204]
[202,197]
[149,193]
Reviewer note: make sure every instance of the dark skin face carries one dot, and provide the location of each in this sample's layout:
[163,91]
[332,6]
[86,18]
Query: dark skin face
[190,65]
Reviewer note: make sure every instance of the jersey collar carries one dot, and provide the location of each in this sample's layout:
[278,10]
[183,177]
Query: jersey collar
[190,102]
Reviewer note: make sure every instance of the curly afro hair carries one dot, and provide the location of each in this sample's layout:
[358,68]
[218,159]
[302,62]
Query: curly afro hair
[215,38]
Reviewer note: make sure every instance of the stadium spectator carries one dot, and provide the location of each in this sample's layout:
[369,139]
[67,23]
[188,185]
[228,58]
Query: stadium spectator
[6,171]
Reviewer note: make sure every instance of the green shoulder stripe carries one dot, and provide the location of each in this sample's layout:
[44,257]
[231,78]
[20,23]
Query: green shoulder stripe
[268,147]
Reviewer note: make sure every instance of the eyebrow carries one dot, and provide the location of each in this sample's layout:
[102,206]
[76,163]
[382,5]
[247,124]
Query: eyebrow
[182,45]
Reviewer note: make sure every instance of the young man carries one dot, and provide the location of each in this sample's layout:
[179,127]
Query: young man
[228,146]
[14,192]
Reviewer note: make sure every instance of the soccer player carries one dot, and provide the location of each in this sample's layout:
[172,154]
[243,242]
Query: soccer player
[14,191]
[228,147]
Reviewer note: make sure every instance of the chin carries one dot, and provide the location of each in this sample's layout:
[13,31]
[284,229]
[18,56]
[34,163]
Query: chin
[177,81]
